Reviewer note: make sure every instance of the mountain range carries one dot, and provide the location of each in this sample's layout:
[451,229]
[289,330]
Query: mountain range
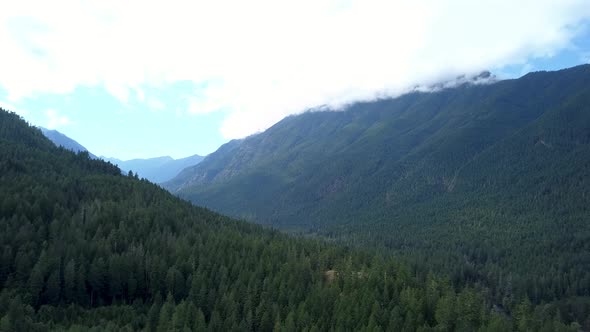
[462,208]
[486,182]
[64,141]
[157,170]
[375,157]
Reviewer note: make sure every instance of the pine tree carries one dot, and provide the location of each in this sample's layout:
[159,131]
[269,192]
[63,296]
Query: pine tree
[70,283]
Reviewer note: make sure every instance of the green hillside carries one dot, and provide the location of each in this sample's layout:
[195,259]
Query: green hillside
[86,248]
[488,183]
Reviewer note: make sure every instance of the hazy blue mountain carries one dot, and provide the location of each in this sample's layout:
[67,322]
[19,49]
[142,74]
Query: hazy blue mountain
[60,139]
[157,170]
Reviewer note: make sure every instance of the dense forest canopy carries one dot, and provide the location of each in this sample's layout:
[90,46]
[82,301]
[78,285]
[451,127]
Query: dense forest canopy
[489,184]
[86,248]
[464,209]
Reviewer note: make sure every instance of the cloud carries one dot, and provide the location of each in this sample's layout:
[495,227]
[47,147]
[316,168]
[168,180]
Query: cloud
[9,107]
[212,97]
[54,120]
[271,58]
[155,104]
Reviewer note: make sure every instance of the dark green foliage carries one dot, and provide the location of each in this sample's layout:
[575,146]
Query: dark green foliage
[87,248]
[490,184]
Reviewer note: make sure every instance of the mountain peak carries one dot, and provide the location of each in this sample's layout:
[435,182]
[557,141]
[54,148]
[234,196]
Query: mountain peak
[64,141]
[483,77]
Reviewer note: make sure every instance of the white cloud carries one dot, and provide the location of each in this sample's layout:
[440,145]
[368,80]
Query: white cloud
[526,68]
[9,107]
[211,98]
[271,58]
[155,104]
[54,120]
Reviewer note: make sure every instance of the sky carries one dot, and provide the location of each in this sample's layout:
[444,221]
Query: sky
[137,79]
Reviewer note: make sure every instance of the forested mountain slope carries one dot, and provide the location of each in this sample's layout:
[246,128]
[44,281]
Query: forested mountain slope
[487,182]
[372,156]
[86,248]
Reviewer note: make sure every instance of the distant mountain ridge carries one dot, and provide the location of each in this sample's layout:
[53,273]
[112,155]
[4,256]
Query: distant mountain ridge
[157,170]
[60,139]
